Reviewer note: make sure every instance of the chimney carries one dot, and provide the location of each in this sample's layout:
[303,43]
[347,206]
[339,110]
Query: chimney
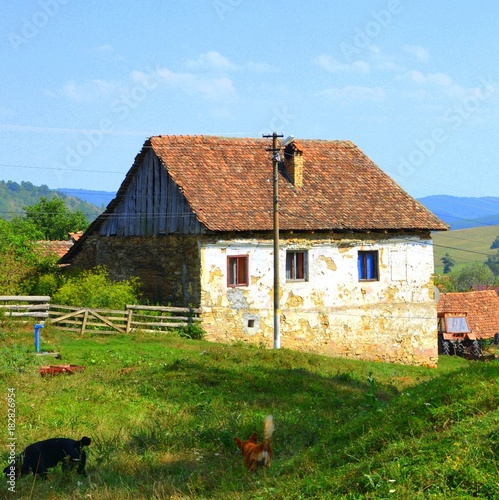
[293,162]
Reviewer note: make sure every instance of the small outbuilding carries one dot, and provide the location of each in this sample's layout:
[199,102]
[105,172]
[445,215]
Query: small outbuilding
[481,309]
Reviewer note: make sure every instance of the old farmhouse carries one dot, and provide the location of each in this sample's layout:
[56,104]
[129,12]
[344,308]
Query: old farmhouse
[193,219]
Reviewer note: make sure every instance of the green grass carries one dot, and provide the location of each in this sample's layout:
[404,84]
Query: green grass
[465,246]
[162,412]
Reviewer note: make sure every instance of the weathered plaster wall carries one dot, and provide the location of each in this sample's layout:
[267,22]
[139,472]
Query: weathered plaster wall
[393,319]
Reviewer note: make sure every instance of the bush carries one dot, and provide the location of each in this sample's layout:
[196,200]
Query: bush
[192,331]
[95,289]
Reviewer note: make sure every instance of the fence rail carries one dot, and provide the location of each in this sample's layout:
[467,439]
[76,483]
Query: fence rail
[102,321]
[24,306]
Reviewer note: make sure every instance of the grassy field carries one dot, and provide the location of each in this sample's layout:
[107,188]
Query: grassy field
[162,412]
[464,245]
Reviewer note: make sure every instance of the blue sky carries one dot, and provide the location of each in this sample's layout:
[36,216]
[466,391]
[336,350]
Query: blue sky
[413,84]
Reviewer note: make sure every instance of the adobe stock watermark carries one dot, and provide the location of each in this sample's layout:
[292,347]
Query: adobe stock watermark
[455,118]
[223,7]
[120,110]
[11,433]
[39,19]
[379,22]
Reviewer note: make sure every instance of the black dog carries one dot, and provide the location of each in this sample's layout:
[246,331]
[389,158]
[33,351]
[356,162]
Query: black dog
[43,455]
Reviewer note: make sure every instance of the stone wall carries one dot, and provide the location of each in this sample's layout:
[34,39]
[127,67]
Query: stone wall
[167,266]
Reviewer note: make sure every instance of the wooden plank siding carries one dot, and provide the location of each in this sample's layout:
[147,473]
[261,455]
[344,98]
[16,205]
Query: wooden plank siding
[152,205]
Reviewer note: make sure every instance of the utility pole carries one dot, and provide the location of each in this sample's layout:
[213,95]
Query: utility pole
[275,164]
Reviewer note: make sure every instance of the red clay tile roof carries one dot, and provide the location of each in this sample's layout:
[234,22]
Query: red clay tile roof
[482,308]
[59,248]
[228,184]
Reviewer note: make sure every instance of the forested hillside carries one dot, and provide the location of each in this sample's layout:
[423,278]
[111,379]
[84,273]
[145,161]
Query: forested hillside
[14,196]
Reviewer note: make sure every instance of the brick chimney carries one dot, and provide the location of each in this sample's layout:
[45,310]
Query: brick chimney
[293,162]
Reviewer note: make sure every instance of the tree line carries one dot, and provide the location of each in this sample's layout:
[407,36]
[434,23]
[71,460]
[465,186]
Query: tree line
[475,276]
[27,269]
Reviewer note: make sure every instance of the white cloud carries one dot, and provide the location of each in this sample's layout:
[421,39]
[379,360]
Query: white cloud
[334,66]
[419,52]
[355,93]
[211,60]
[214,61]
[439,80]
[88,91]
[211,88]
[104,48]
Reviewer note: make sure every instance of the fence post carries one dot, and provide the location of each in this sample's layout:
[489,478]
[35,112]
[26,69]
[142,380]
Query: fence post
[129,320]
[84,322]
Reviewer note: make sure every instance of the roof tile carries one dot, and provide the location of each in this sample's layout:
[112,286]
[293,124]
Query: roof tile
[228,184]
[482,308]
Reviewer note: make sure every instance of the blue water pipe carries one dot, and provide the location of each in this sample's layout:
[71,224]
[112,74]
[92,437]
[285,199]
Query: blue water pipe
[37,335]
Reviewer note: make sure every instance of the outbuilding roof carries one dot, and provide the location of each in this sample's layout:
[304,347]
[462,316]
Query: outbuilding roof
[481,308]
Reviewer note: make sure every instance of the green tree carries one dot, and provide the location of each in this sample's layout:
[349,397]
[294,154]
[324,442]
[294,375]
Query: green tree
[445,283]
[474,275]
[493,263]
[20,262]
[495,243]
[448,263]
[54,220]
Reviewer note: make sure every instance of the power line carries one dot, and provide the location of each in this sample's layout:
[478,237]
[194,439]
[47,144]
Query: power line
[62,169]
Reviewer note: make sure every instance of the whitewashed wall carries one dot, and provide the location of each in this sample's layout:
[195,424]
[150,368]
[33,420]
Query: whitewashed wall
[393,319]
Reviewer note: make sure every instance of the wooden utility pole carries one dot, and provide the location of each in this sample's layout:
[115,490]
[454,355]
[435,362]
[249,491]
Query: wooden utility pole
[275,164]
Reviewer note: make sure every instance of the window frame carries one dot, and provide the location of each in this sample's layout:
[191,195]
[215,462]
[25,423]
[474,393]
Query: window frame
[241,275]
[296,266]
[368,265]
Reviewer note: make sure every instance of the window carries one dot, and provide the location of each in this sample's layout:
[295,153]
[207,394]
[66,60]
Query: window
[368,266]
[237,270]
[296,266]
[456,324]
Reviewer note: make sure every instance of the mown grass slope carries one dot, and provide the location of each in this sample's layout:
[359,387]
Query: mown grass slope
[465,246]
[163,411]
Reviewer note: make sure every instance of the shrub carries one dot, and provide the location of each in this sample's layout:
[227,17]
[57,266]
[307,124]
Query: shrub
[192,331]
[95,289]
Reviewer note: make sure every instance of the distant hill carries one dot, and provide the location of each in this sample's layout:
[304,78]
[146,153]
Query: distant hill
[462,212]
[98,198]
[459,212]
[14,196]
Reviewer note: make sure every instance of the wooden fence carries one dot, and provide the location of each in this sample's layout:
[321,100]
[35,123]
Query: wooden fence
[20,307]
[102,321]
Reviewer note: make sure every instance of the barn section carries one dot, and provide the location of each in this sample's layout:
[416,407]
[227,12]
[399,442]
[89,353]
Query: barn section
[193,220]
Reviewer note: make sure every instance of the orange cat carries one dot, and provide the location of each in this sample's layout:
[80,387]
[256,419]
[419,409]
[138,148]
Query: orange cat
[257,455]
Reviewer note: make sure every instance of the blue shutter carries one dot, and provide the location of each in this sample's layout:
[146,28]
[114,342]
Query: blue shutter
[371,266]
[360,266]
